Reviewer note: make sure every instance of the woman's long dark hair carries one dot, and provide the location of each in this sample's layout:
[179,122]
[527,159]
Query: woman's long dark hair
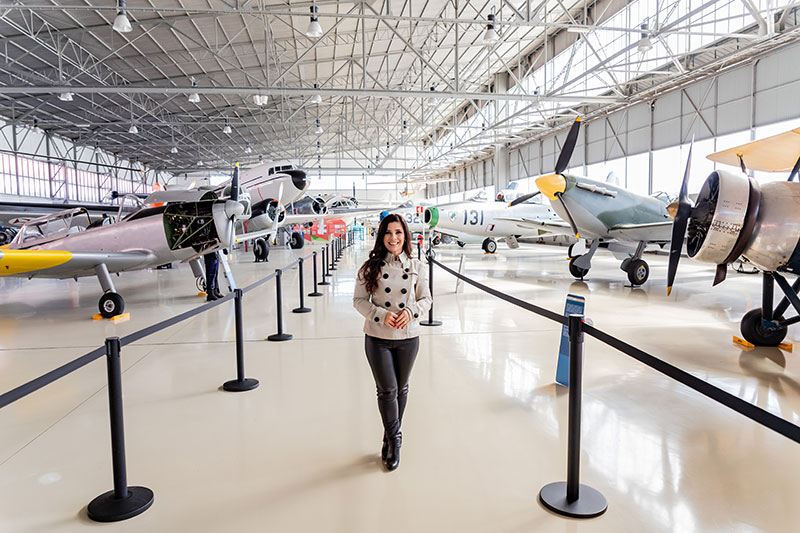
[371,268]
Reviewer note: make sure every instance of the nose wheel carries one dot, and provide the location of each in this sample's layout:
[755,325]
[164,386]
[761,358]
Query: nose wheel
[638,272]
[489,246]
[575,270]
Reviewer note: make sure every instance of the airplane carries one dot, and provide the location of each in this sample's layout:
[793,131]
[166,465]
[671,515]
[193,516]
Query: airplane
[68,244]
[735,216]
[493,220]
[602,212]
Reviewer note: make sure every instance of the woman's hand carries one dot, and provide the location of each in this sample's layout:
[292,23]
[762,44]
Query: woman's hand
[390,319]
[402,319]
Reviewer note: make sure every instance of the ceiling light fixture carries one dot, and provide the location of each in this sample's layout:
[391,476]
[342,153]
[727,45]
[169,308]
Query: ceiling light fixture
[227,129]
[174,150]
[121,23]
[578,29]
[248,150]
[490,37]
[317,98]
[645,45]
[200,163]
[194,97]
[314,29]
[319,130]
[133,129]
[65,97]
[260,99]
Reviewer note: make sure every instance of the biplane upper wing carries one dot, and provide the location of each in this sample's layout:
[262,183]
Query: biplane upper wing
[773,154]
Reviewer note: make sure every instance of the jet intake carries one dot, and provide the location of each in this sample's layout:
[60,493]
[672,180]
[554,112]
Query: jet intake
[431,216]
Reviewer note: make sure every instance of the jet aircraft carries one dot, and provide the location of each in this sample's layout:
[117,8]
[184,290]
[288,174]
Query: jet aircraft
[736,216]
[602,212]
[68,245]
[494,220]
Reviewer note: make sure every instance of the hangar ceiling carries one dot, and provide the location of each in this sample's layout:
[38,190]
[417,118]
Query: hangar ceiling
[400,88]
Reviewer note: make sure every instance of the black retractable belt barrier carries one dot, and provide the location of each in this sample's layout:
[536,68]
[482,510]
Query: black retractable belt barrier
[123,502]
[430,321]
[570,498]
[316,292]
[241,383]
[325,267]
[280,335]
[302,308]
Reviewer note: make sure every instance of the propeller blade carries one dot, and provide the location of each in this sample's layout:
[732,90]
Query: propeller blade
[277,211]
[524,198]
[721,273]
[235,183]
[679,223]
[234,198]
[571,220]
[795,168]
[569,147]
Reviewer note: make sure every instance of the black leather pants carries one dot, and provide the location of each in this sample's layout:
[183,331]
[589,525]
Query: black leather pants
[391,362]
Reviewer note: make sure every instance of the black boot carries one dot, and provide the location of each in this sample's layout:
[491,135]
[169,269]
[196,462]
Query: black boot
[210,297]
[385,447]
[393,454]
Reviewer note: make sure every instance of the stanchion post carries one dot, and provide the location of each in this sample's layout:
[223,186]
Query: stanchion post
[241,383]
[123,502]
[332,256]
[430,321]
[571,498]
[325,267]
[280,335]
[302,308]
[316,292]
[419,249]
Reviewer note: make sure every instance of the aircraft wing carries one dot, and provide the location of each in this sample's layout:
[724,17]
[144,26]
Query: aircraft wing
[17,213]
[773,154]
[653,232]
[62,264]
[548,226]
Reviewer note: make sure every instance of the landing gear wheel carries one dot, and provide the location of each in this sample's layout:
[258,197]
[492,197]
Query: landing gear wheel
[570,249]
[489,246]
[261,249]
[638,272]
[461,244]
[761,333]
[576,271]
[297,241]
[111,305]
[437,241]
[200,281]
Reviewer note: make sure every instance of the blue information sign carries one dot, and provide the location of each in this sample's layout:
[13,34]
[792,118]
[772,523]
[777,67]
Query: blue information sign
[574,306]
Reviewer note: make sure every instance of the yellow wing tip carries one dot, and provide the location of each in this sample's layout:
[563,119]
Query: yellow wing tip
[237,164]
[669,290]
[578,119]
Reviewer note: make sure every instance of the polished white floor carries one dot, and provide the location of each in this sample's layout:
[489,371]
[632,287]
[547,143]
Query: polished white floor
[485,427]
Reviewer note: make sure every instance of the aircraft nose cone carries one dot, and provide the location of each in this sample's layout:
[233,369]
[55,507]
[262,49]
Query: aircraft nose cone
[551,184]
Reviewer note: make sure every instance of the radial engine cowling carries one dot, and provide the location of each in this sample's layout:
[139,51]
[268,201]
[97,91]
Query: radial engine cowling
[318,206]
[735,216]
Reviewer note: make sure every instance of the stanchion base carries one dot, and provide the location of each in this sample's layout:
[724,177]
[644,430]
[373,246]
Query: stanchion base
[106,508]
[589,504]
[301,310]
[332,268]
[324,283]
[235,385]
[315,293]
[277,337]
[431,323]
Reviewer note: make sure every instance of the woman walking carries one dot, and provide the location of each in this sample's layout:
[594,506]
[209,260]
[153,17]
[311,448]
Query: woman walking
[392,293]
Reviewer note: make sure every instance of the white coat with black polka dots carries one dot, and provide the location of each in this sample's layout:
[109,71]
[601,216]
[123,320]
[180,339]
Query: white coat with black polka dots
[402,287]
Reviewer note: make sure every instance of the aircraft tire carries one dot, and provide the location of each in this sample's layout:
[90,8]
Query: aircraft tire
[489,246]
[638,272]
[111,305]
[297,241]
[437,241]
[461,244]
[260,249]
[576,271]
[754,330]
[569,250]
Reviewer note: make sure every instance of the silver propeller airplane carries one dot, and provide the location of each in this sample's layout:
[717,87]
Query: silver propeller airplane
[736,216]
[63,245]
[602,212]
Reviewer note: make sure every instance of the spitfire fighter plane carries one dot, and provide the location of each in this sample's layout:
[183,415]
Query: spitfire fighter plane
[602,212]
[63,245]
[736,216]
